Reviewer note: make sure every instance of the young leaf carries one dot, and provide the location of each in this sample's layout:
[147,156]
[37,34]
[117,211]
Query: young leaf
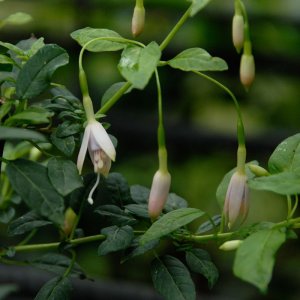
[170,222]
[197,59]
[57,264]
[88,35]
[13,48]
[63,175]
[35,76]
[6,60]
[9,133]
[31,182]
[115,215]
[255,257]
[172,279]
[56,288]
[26,223]
[138,64]
[139,194]
[197,5]
[199,261]
[285,183]
[286,156]
[117,238]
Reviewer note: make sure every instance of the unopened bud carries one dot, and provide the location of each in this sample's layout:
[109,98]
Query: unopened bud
[230,245]
[69,221]
[159,193]
[247,70]
[238,32]
[138,19]
[258,171]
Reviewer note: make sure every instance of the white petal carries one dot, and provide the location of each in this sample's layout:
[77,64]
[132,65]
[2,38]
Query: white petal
[100,136]
[83,148]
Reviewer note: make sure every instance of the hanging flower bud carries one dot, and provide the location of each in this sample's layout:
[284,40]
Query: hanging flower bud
[159,193]
[258,170]
[247,70]
[238,32]
[100,146]
[236,202]
[69,221]
[230,245]
[138,18]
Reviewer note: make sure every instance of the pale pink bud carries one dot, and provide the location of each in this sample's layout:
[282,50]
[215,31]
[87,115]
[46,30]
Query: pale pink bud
[238,32]
[247,70]
[159,193]
[138,20]
[236,204]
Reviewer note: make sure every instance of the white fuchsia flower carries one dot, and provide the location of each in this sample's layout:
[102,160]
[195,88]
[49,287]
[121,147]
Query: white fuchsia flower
[236,205]
[100,147]
[159,193]
[238,32]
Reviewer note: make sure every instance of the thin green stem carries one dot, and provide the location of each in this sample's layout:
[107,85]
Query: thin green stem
[175,29]
[114,98]
[289,206]
[208,237]
[240,125]
[69,269]
[295,206]
[77,219]
[28,237]
[161,131]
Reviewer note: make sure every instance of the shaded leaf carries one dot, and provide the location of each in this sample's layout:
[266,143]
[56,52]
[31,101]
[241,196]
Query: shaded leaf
[138,64]
[208,225]
[9,133]
[6,290]
[174,202]
[170,222]
[199,261]
[117,238]
[35,76]
[63,175]
[172,279]
[111,91]
[26,223]
[56,288]
[139,194]
[139,210]
[65,145]
[197,59]
[30,180]
[255,257]
[6,215]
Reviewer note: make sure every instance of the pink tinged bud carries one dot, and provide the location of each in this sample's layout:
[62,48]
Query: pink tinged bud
[138,20]
[100,146]
[238,32]
[236,202]
[159,193]
[247,70]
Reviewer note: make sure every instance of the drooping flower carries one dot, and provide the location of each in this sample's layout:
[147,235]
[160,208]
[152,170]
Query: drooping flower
[247,70]
[100,147]
[138,19]
[236,202]
[238,32]
[158,193]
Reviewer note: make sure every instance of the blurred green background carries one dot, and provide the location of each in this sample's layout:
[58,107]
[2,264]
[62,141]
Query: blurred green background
[200,118]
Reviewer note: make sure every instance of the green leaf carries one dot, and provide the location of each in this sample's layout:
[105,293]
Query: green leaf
[6,60]
[139,210]
[7,215]
[30,180]
[170,222]
[286,183]
[65,145]
[13,48]
[199,261]
[111,91]
[37,45]
[35,77]
[56,288]
[255,257]
[8,133]
[172,279]
[138,64]
[115,215]
[56,263]
[26,223]
[66,129]
[6,290]
[210,224]
[63,175]
[32,115]
[174,202]
[139,194]
[197,59]
[197,5]
[85,35]
[5,109]
[117,238]
[286,156]
[18,18]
